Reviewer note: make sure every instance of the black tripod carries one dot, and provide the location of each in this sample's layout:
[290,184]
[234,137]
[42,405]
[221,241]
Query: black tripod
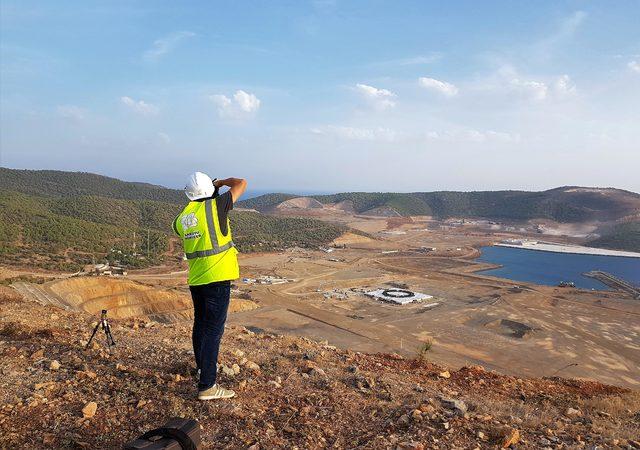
[104,323]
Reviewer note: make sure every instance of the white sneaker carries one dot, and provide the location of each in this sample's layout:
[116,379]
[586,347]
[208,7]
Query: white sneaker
[215,392]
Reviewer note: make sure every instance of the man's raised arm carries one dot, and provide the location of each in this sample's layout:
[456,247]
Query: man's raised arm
[237,186]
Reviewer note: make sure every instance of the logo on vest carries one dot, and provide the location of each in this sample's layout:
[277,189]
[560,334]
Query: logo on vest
[189,221]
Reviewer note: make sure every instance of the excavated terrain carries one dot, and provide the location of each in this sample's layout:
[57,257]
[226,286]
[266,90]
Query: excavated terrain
[123,298]
[292,393]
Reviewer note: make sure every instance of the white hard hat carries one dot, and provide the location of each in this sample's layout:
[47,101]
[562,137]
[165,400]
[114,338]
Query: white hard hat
[199,185]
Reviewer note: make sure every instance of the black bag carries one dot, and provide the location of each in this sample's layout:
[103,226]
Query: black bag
[176,434]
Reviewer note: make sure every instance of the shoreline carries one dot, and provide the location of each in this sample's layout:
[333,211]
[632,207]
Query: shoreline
[571,249]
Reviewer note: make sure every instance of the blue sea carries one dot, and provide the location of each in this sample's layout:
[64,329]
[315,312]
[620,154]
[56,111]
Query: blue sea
[551,268]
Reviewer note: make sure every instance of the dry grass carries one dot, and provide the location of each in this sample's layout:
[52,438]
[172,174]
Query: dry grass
[624,408]
[423,349]
[618,406]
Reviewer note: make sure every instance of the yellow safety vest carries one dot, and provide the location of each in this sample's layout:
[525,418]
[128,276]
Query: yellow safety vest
[211,255]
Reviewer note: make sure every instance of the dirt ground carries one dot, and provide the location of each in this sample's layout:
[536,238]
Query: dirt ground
[292,393]
[529,330]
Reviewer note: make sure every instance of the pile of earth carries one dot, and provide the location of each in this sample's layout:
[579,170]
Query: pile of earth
[125,298]
[300,203]
[511,328]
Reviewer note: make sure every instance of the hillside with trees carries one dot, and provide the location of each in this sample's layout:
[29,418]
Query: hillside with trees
[565,204]
[49,221]
[56,183]
[621,236]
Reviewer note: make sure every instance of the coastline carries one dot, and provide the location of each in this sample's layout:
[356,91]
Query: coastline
[573,249]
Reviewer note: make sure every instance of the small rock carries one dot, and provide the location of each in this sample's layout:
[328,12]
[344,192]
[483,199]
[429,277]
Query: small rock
[318,372]
[37,354]
[481,435]
[444,374]
[253,366]
[55,365]
[508,436]
[416,415]
[236,368]
[45,385]
[572,412]
[458,406]
[86,374]
[411,445]
[404,419]
[228,371]
[308,366]
[274,383]
[141,403]
[427,408]
[238,353]
[89,410]
[446,425]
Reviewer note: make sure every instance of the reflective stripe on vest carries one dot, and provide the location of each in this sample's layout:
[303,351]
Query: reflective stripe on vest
[208,211]
[213,251]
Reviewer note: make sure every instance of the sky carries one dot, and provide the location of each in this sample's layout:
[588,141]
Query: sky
[326,95]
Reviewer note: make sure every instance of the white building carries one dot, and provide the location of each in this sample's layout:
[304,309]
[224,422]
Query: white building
[399,296]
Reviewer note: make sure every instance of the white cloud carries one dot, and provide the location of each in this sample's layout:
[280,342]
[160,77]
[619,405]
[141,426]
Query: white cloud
[164,137]
[166,44]
[242,105]
[472,135]
[634,66]
[410,61]
[71,112]
[356,134]
[442,87]
[140,106]
[564,86]
[536,90]
[247,102]
[379,99]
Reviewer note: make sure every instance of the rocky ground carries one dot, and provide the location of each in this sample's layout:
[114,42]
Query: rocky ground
[292,393]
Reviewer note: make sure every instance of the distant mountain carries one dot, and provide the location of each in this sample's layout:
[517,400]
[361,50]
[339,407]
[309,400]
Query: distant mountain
[61,220]
[565,204]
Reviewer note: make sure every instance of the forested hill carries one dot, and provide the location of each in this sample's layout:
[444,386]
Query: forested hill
[56,183]
[62,220]
[565,204]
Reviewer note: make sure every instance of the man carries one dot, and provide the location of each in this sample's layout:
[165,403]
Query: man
[204,228]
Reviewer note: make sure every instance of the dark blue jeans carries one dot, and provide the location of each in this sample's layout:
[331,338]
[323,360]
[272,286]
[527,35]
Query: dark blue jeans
[210,305]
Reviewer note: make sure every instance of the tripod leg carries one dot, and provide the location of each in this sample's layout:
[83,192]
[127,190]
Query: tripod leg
[92,335]
[107,331]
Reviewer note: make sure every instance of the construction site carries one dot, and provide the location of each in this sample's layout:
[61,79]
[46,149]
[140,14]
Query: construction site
[393,290]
